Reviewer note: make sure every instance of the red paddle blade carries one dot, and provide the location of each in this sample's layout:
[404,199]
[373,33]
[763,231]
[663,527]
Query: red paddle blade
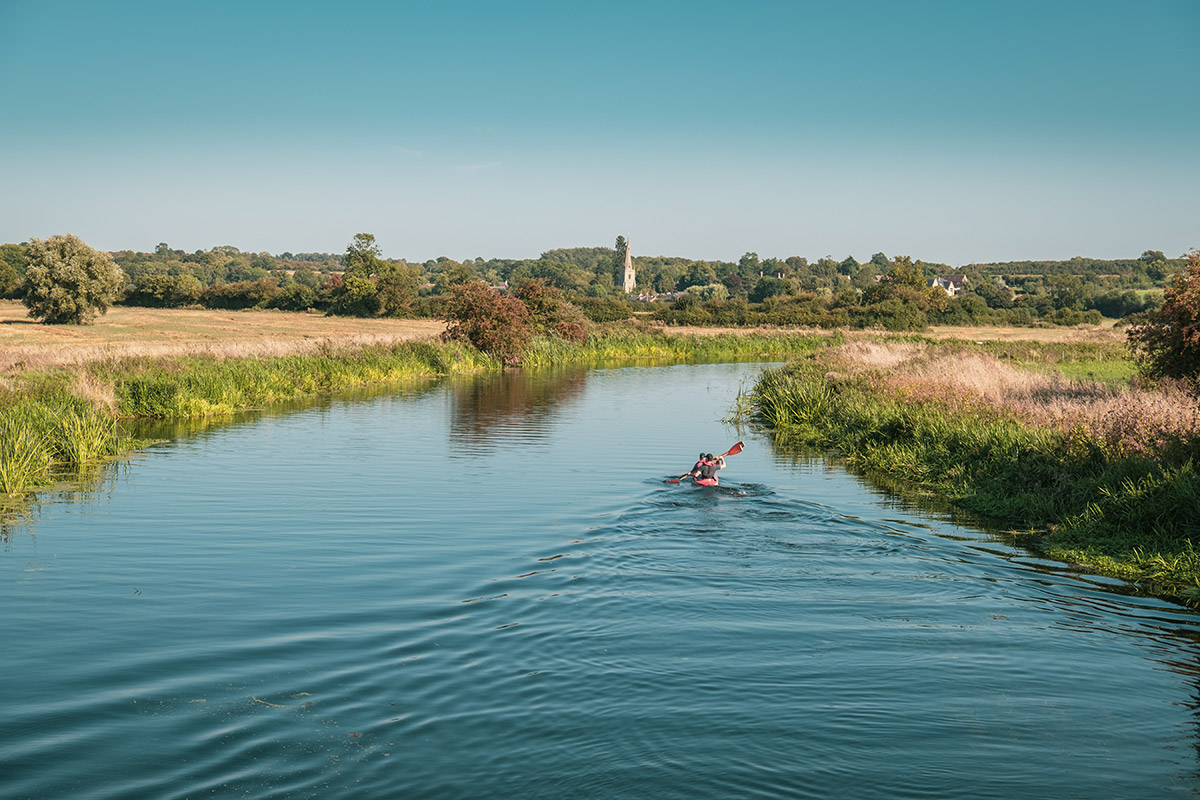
[733,451]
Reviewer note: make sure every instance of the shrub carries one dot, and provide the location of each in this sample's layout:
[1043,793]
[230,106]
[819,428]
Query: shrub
[68,282]
[243,294]
[294,297]
[1166,342]
[164,291]
[603,309]
[549,311]
[494,324]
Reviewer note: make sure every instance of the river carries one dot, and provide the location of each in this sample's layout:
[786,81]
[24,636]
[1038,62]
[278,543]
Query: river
[483,588]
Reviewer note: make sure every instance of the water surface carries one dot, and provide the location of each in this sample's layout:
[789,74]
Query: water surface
[483,588]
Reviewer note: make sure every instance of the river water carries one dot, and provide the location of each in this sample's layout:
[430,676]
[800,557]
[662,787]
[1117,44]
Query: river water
[484,589]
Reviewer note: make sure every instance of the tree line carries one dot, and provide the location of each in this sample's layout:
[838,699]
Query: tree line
[891,292]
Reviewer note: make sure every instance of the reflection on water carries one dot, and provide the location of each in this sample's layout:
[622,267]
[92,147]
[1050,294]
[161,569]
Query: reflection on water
[486,409]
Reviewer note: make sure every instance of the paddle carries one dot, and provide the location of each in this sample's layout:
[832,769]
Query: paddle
[733,451]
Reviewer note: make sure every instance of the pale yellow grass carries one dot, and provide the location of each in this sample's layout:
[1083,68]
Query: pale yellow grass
[1127,417]
[172,332]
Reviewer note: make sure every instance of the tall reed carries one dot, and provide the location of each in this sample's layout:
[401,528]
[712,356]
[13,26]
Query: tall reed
[25,453]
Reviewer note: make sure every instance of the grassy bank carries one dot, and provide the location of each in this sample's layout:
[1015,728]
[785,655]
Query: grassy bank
[1091,472]
[55,416]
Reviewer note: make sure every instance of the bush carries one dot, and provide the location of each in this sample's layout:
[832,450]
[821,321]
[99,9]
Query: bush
[68,282]
[294,297]
[603,309]
[164,291]
[549,312]
[243,294]
[1166,342]
[494,324]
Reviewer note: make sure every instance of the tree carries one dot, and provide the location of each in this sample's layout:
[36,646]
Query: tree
[1166,342]
[905,273]
[397,288]
[362,255]
[68,282]
[12,268]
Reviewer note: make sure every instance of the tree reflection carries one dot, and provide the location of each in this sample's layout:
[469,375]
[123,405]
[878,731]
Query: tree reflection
[514,406]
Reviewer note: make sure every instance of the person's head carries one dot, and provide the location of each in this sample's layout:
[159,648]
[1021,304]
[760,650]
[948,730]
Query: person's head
[700,457]
[709,457]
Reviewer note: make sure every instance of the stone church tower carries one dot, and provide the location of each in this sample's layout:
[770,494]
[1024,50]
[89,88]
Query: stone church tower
[630,279]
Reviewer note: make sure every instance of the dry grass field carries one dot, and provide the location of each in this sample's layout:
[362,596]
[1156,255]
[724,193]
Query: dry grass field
[126,331]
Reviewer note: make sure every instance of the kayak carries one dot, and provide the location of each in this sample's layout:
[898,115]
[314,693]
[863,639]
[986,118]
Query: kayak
[704,481]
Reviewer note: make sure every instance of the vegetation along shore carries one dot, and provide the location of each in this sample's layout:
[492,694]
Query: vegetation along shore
[1095,471]
[1083,447]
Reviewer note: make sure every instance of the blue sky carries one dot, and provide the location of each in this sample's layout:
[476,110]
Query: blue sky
[954,132]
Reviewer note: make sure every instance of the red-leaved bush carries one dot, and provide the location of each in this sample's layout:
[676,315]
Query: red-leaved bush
[1166,342]
[494,324]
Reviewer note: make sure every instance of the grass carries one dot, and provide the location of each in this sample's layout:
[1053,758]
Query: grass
[1092,473]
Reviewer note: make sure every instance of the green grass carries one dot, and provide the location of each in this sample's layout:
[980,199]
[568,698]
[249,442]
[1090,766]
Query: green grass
[1129,517]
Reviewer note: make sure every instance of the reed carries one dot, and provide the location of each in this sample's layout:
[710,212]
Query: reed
[25,453]
[83,435]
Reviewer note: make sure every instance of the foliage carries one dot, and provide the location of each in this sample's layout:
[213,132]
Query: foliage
[550,313]
[68,282]
[13,262]
[496,325]
[1166,342]
[240,295]
[603,309]
[1093,494]
[396,289]
[158,290]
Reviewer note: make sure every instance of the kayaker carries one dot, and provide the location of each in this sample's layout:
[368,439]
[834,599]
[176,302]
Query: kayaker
[705,471]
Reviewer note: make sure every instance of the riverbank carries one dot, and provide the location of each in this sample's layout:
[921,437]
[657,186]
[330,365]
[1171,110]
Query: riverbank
[63,408]
[1089,470]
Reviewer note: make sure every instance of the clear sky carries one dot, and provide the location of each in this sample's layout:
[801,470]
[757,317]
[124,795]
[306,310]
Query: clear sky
[954,131]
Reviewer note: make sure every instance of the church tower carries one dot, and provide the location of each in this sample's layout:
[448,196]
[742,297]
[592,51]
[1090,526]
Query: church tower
[630,279]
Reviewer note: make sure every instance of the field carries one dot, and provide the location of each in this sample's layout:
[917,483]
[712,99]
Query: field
[127,331]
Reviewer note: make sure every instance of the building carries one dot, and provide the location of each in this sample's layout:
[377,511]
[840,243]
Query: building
[952,284]
[630,278]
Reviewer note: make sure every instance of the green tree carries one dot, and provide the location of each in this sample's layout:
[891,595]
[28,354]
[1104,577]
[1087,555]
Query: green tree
[1155,264]
[396,286]
[68,282]
[362,255]
[1166,342]
[12,268]
[905,273]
